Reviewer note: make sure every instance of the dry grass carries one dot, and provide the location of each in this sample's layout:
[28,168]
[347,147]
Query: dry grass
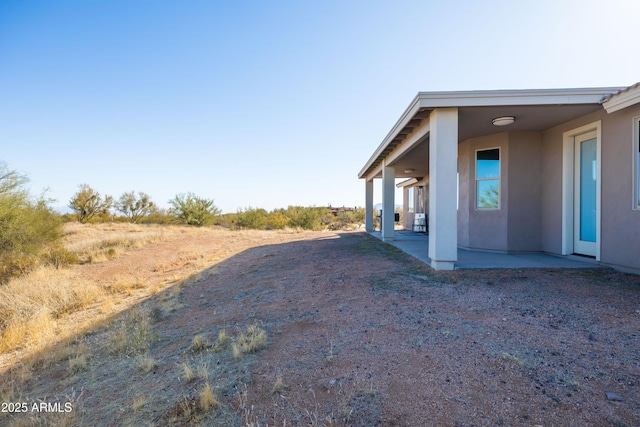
[278,386]
[30,305]
[198,343]
[139,402]
[91,244]
[124,284]
[133,334]
[186,372]
[253,340]
[513,358]
[78,358]
[147,363]
[221,342]
[208,399]
[103,329]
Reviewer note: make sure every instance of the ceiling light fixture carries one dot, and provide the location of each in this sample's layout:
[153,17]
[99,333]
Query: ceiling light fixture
[409,170]
[503,121]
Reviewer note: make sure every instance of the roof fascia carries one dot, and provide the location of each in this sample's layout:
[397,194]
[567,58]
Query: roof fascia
[484,98]
[622,100]
[407,182]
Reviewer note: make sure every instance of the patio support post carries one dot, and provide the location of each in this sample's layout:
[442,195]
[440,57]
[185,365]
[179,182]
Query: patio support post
[368,205]
[388,203]
[443,168]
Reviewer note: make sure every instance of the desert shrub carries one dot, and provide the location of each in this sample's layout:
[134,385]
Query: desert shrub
[308,218]
[159,216]
[348,219]
[135,207]
[193,210]
[277,220]
[229,220]
[28,226]
[58,256]
[255,219]
[87,203]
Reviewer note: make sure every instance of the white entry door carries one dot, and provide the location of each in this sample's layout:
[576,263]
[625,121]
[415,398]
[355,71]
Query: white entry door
[585,192]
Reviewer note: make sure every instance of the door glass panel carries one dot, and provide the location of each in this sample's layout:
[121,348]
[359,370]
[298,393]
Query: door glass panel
[588,175]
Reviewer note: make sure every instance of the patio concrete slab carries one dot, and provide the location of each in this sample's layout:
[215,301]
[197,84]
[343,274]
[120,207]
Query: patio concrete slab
[417,245]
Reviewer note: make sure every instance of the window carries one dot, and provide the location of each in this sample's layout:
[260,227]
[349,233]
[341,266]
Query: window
[410,199]
[488,179]
[636,162]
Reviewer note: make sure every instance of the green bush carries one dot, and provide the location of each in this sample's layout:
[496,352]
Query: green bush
[159,216]
[229,221]
[348,219]
[28,226]
[255,219]
[309,218]
[277,220]
[193,210]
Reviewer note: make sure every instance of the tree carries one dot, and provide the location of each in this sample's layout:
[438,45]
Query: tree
[135,208]
[87,202]
[193,210]
[11,182]
[28,226]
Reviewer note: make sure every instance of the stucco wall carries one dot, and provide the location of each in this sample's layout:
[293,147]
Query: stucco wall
[487,228]
[464,176]
[525,159]
[551,180]
[620,224]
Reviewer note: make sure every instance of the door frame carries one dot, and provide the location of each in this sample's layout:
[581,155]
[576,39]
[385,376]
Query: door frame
[568,182]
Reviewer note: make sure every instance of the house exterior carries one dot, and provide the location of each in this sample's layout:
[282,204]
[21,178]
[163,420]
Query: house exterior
[553,171]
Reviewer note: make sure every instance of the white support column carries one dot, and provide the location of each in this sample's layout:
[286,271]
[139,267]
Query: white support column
[368,205]
[388,203]
[443,167]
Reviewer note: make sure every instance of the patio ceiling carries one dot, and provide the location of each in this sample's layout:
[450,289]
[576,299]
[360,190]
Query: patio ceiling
[534,110]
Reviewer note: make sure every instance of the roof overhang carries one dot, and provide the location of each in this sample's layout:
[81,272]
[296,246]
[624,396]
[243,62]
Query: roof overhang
[407,183]
[563,104]
[622,99]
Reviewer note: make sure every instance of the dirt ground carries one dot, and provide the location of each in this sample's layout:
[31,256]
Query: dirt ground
[358,334]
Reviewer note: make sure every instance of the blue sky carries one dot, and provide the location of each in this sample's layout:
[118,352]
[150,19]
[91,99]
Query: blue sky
[268,103]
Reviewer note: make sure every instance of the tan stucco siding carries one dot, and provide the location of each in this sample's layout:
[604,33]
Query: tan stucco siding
[620,222]
[524,189]
[464,188]
[487,229]
[551,179]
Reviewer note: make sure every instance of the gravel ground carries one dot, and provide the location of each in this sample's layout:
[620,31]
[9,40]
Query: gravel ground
[361,334]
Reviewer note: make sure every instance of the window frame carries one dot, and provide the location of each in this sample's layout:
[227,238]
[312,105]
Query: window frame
[635,159]
[498,178]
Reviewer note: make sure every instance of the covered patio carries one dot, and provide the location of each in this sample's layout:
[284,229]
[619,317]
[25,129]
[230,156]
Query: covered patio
[442,142]
[417,244]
